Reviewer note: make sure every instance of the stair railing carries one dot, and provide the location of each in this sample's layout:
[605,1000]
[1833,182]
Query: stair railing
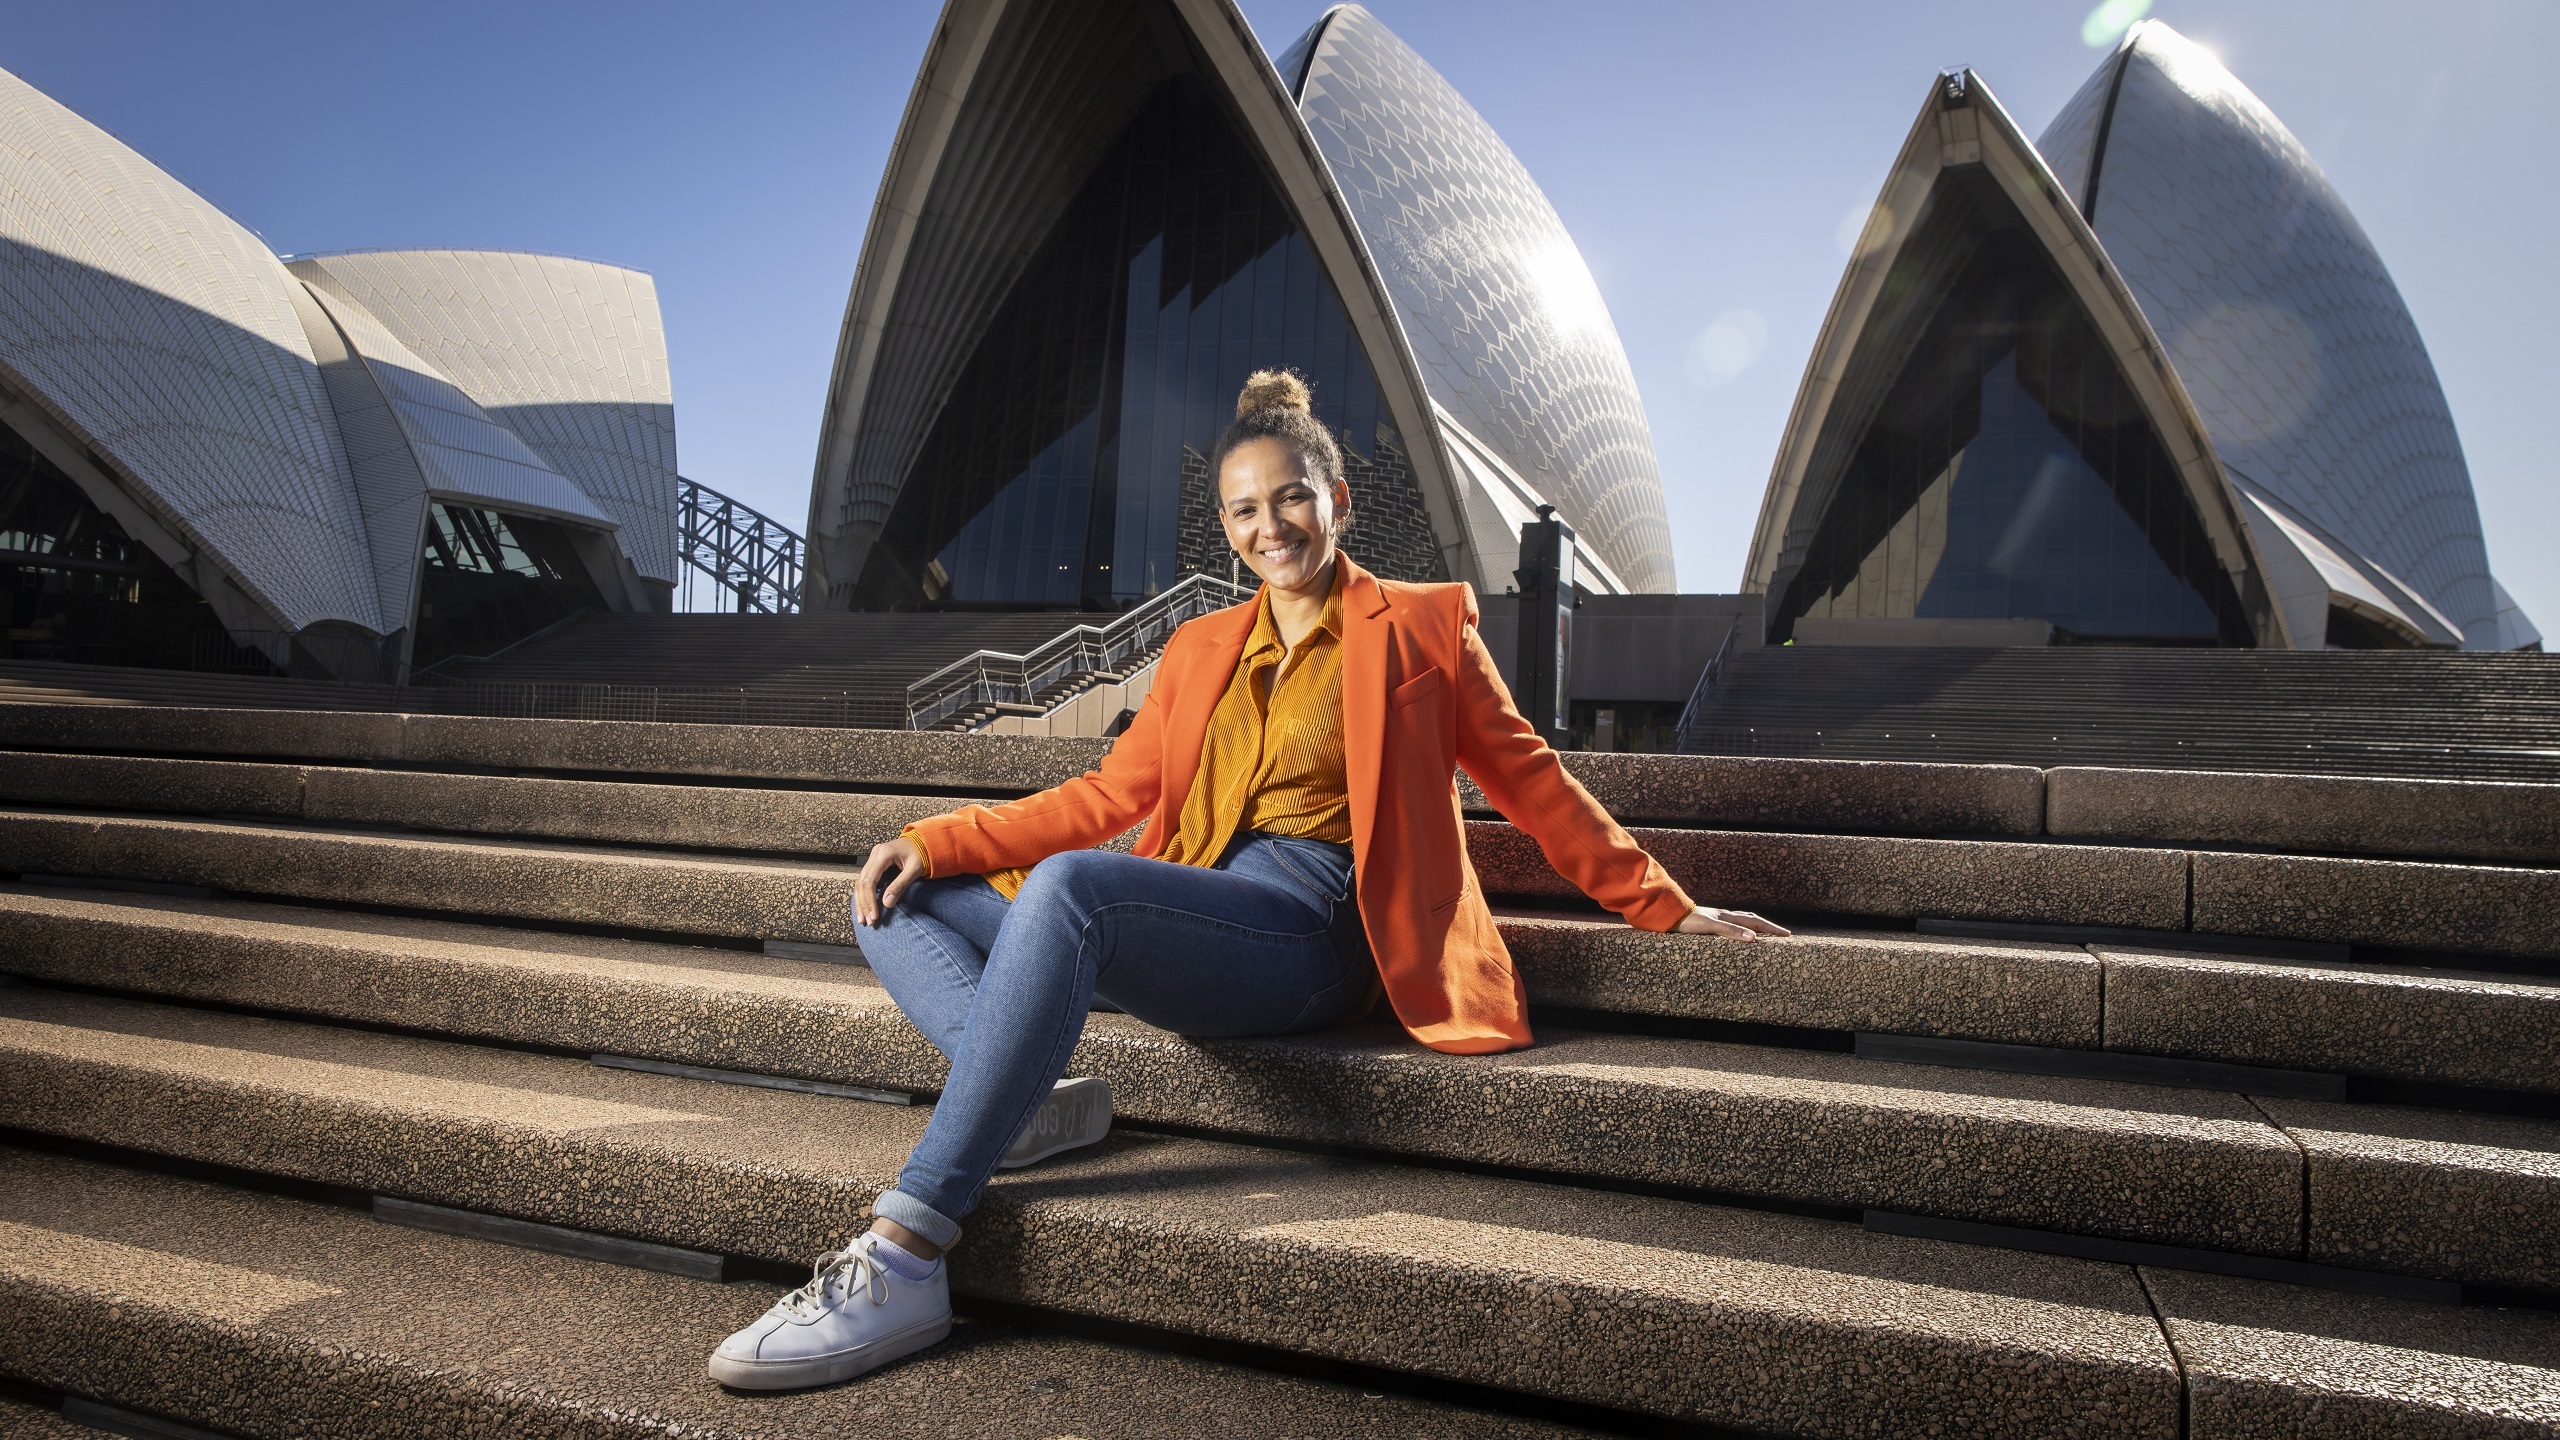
[1693,716]
[992,677]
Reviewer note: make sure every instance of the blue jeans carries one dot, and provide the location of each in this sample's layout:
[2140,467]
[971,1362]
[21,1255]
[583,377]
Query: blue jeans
[1267,943]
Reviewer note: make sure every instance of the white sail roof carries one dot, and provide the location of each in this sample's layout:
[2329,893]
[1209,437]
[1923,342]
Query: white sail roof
[2283,322]
[570,355]
[1511,331]
[163,334]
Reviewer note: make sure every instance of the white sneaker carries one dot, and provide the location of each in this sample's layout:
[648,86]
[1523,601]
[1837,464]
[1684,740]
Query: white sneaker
[1077,1112]
[855,1314]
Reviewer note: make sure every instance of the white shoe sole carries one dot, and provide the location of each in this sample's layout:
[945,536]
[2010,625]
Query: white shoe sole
[1077,1112]
[830,1368]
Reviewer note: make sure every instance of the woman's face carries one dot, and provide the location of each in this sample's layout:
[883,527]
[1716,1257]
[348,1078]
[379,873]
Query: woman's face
[1278,519]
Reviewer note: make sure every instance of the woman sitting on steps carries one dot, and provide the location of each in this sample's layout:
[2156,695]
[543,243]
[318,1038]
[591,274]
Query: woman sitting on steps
[1295,763]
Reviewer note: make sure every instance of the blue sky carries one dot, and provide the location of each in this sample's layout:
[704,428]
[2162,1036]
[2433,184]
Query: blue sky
[1704,156]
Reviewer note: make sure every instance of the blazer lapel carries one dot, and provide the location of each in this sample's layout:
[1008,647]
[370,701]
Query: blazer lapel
[1364,697]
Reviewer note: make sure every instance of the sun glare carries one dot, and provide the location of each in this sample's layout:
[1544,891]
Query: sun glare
[2106,24]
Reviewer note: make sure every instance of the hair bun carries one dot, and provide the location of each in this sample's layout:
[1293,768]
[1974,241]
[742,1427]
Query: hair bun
[1274,390]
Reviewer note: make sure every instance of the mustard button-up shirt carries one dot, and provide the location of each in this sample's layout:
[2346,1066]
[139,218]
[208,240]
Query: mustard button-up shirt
[1273,758]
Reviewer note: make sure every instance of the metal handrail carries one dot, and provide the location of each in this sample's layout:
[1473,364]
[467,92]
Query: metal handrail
[992,677]
[1693,713]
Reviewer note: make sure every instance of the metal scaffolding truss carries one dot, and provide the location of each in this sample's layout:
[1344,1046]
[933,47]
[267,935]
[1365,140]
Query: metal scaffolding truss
[751,555]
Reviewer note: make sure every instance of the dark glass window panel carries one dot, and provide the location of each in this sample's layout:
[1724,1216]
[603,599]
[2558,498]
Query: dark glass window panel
[2009,471]
[2351,631]
[79,588]
[490,579]
[1069,467]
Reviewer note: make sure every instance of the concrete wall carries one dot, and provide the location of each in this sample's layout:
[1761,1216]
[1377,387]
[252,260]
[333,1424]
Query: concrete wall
[1632,647]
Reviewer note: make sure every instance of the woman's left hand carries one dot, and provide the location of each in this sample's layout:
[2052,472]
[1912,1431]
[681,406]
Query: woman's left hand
[1731,924]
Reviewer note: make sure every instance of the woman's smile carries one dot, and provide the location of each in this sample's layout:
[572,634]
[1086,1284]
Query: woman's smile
[1279,518]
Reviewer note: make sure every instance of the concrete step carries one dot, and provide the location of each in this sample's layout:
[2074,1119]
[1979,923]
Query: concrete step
[2396,903]
[249,1312]
[713,817]
[1897,982]
[2430,1192]
[742,897]
[2134,1162]
[22,1420]
[2263,1360]
[2496,909]
[2446,819]
[1686,790]
[2077,884]
[160,1305]
[2398,1023]
[2387,1022]
[1844,875]
[994,764]
[1692,1312]
[1744,793]
[1879,876]
[2408,818]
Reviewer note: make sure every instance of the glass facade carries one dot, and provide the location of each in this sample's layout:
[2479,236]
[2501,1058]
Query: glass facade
[490,579]
[80,589]
[1069,467]
[2010,471]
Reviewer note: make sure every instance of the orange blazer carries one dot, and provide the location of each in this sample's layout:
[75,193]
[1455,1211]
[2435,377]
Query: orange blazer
[1420,698]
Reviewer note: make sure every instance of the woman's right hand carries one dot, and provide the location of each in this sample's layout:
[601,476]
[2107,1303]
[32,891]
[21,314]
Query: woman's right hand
[1731,924]
[903,859]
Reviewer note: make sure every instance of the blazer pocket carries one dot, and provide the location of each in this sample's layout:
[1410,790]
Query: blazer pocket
[1416,690]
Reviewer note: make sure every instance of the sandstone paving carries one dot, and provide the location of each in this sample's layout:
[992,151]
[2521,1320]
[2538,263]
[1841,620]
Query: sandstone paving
[2452,1027]
[1697,1312]
[2431,1192]
[2132,1161]
[2265,1361]
[160,1293]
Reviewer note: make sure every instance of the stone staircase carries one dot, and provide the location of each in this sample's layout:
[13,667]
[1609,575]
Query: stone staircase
[2424,713]
[2088,1102]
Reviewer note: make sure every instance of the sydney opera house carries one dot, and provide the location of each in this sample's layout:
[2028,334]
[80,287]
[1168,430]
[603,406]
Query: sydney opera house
[2140,381]
[340,465]
[1101,215]
[2143,380]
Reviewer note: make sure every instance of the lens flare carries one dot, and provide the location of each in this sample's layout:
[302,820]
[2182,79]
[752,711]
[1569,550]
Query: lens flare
[2254,370]
[1727,347]
[2106,24]
[1863,229]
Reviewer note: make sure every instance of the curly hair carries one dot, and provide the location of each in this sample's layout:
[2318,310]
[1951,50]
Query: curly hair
[1276,405]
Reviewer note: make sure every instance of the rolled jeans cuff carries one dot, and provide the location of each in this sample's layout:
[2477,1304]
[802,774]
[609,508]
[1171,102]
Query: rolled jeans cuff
[916,1215]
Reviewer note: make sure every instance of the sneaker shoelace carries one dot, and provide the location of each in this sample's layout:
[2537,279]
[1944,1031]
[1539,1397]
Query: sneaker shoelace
[838,1271]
